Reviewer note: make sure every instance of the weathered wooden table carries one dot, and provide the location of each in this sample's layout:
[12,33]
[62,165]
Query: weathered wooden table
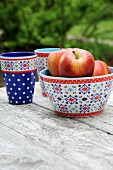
[33,137]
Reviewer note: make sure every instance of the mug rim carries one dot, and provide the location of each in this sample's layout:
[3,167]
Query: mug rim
[46,50]
[17,55]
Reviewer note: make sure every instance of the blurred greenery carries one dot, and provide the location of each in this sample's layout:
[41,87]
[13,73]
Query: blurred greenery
[26,25]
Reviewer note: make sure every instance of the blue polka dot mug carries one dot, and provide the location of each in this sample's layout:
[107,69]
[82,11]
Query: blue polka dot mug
[42,56]
[19,72]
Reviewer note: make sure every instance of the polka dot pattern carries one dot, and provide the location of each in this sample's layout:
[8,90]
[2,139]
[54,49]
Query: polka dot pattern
[20,87]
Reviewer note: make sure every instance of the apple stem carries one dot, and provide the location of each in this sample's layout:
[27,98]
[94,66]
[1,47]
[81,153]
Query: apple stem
[60,46]
[77,57]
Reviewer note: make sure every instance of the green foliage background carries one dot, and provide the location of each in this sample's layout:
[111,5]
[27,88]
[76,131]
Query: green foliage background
[26,25]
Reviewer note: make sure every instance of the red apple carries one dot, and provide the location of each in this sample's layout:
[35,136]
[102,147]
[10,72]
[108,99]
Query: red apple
[76,63]
[101,68]
[53,61]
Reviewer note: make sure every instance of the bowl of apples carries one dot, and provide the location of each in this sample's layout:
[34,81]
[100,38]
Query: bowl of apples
[76,84]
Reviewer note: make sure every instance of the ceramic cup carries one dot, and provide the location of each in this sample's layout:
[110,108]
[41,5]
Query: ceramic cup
[42,56]
[19,72]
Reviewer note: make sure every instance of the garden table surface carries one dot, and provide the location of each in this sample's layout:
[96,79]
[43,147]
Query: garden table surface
[34,137]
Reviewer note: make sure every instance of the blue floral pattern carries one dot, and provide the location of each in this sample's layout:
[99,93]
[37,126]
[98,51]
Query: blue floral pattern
[79,98]
[19,65]
[41,64]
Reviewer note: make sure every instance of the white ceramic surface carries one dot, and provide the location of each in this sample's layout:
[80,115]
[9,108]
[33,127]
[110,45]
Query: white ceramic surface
[42,56]
[78,97]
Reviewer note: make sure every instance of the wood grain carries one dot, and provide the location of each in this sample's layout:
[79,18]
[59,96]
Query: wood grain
[77,143]
[18,152]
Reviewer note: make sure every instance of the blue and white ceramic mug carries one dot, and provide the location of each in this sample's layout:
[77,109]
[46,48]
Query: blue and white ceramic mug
[19,73]
[42,56]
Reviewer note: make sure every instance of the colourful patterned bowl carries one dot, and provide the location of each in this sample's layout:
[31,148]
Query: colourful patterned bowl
[78,97]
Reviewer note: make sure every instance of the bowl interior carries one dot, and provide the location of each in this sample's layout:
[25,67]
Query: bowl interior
[46,73]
